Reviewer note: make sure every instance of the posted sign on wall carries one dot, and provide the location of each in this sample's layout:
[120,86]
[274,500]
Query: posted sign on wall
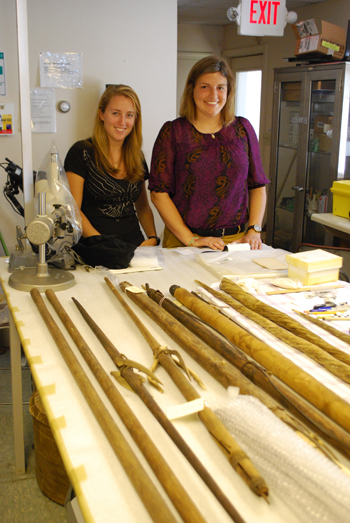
[262,17]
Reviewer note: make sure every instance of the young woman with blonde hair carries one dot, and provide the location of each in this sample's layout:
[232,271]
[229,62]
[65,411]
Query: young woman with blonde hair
[207,180]
[107,172]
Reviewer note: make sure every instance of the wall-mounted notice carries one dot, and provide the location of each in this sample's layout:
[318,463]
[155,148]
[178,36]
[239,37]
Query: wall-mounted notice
[42,108]
[61,70]
[6,119]
[2,74]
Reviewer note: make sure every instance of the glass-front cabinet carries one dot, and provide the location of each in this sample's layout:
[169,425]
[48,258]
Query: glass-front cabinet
[310,148]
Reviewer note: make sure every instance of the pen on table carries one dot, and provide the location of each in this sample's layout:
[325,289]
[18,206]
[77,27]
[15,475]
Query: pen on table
[320,309]
[328,309]
[336,318]
[323,305]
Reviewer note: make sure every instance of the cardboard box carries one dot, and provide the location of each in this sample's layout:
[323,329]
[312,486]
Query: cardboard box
[305,28]
[341,198]
[320,123]
[291,92]
[324,142]
[314,267]
[323,84]
[291,95]
[329,41]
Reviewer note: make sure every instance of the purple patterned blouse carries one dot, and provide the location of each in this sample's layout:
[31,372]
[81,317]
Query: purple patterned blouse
[207,178]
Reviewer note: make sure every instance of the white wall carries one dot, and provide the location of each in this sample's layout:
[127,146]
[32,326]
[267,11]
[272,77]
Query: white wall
[195,42]
[200,38]
[122,41]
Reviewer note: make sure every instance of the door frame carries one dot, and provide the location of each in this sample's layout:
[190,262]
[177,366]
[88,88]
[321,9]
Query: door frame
[260,49]
[283,76]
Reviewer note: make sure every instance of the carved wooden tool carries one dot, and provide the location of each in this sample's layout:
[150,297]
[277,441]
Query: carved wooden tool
[332,330]
[219,368]
[137,386]
[300,381]
[299,407]
[148,493]
[329,362]
[165,475]
[281,319]
[236,456]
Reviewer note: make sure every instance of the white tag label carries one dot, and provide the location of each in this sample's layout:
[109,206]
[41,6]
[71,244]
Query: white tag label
[134,289]
[186,409]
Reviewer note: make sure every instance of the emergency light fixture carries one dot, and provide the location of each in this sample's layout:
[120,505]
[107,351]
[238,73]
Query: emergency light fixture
[261,17]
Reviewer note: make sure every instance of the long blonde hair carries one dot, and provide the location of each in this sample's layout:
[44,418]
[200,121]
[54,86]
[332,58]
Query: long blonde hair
[131,150]
[209,64]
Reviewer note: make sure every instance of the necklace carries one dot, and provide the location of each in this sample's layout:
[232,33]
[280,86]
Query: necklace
[212,132]
[115,163]
[119,169]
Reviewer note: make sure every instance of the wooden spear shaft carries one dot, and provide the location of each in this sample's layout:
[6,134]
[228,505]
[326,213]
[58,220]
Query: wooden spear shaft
[300,381]
[137,386]
[155,505]
[281,319]
[329,362]
[213,363]
[171,485]
[237,457]
[332,330]
[225,372]
[257,374]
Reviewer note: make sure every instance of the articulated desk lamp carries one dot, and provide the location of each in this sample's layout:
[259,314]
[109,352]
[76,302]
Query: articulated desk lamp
[52,233]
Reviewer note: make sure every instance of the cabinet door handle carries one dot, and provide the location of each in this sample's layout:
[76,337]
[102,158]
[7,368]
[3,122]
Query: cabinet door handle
[296,188]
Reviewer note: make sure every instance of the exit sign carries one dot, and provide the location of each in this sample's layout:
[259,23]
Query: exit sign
[262,17]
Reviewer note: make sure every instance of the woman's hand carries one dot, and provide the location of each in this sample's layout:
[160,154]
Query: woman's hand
[257,204]
[150,242]
[217,244]
[253,238]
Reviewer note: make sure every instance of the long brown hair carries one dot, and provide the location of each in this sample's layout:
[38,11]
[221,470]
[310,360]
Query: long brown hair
[209,64]
[131,150]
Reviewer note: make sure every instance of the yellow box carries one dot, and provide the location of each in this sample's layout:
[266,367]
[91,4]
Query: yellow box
[314,267]
[313,278]
[314,260]
[341,198]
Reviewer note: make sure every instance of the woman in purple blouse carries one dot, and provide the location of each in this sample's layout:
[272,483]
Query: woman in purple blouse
[206,179]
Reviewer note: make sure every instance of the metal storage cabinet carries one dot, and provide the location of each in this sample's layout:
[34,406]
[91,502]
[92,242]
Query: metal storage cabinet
[310,148]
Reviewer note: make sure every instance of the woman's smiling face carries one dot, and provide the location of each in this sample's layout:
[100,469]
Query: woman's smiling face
[119,118]
[210,94]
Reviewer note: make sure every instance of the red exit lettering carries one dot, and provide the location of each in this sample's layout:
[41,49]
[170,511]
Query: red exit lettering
[263,9]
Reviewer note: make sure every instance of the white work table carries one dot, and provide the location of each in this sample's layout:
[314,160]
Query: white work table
[336,225]
[104,491]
